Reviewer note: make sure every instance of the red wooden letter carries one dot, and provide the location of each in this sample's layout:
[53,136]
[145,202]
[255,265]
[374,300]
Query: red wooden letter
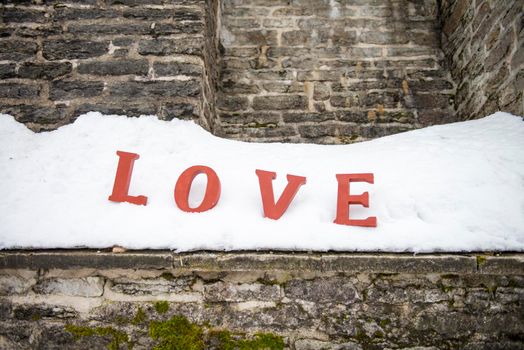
[123,179]
[345,200]
[265,180]
[183,186]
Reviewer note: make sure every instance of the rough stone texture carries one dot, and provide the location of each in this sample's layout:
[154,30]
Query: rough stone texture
[315,301]
[325,71]
[484,41]
[350,70]
[59,59]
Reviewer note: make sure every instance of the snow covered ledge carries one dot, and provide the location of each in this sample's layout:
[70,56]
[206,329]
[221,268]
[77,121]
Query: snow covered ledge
[67,298]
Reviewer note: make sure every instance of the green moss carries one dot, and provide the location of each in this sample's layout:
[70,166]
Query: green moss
[161,307]
[140,317]
[121,320]
[176,334]
[384,322]
[167,276]
[378,334]
[260,341]
[481,260]
[36,316]
[117,337]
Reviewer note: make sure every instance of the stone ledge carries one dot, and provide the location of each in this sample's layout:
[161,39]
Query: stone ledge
[85,259]
[259,261]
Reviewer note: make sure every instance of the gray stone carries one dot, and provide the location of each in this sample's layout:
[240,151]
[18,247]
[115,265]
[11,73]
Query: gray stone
[165,47]
[47,71]
[18,90]
[153,89]
[7,71]
[17,50]
[66,90]
[279,102]
[73,49]
[83,287]
[152,286]
[177,68]
[322,290]
[230,292]
[10,284]
[117,67]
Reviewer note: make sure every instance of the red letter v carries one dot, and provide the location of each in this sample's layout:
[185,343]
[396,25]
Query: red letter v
[265,180]
[123,179]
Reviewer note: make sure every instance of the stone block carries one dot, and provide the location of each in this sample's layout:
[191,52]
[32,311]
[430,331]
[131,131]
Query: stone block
[152,287]
[23,15]
[386,263]
[280,102]
[247,262]
[231,292]
[17,50]
[154,89]
[74,14]
[170,111]
[317,130]
[19,90]
[73,49]
[66,90]
[84,287]
[504,265]
[10,284]
[166,47]
[7,71]
[85,259]
[126,108]
[233,103]
[322,290]
[177,68]
[46,71]
[117,67]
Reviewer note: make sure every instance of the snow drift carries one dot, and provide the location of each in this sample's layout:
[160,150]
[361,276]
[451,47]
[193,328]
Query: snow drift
[456,187]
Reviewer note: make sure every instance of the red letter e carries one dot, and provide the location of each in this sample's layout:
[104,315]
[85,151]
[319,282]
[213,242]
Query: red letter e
[345,200]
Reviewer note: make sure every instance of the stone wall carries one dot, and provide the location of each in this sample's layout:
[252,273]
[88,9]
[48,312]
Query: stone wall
[96,300]
[59,59]
[331,71]
[324,71]
[484,41]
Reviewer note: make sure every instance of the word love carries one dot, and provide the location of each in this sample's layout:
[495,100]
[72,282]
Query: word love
[272,209]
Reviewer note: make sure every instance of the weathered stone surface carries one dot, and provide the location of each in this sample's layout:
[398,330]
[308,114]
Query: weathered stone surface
[119,67]
[166,47]
[177,68]
[321,290]
[71,49]
[152,89]
[19,91]
[66,90]
[152,286]
[230,292]
[279,102]
[83,287]
[46,71]
[10,284]
[71,260]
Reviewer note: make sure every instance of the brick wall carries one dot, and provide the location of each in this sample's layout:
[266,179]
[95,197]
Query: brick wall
[484,41]
[308,301]
[59,59]
[331,71]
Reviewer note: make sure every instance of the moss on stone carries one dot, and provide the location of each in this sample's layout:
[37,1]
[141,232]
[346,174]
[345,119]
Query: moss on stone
[117,337]
[140,317]
[161,307]
[260,341]
[36,316]
[384,322]
[167,276]
[176,334]
[481,260]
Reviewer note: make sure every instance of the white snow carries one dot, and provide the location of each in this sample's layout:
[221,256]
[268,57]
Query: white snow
[456,187]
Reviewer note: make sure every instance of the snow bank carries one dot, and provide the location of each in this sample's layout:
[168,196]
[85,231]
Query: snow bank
[457,187]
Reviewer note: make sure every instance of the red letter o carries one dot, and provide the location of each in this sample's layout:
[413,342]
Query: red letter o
[183,186]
